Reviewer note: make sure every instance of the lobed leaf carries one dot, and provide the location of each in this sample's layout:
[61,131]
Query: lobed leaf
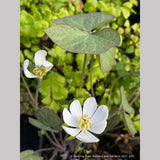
[85,22]
[124,102]
[112,122]
[49,118]
[107,60]
[75,40]
[128,123]
[40,125]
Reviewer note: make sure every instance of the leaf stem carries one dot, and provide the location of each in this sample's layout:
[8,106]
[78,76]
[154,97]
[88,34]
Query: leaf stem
[36,95]
[54,137]
[91,69]
[134,99]
[129,97]
[82,76]
[115,83]
[50,139]
[45,149]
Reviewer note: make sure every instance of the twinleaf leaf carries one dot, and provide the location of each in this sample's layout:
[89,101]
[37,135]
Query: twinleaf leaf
[128,123]
[75,40]
[49,118]
[107,60]
[40,125]
[124,103]
[85,22]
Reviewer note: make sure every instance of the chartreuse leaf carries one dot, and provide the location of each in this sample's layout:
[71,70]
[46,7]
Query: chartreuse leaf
[26,153]
[124,103]
[32,158]
[85,22]
[29,155]
[70,138]
[49,118]
[75,40]
[40,125]
[128,123]
[107,60]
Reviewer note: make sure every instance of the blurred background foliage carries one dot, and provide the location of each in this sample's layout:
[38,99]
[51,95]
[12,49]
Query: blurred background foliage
[61,85]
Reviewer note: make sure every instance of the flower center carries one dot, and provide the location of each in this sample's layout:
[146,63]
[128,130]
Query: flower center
[84,122]
[40,71]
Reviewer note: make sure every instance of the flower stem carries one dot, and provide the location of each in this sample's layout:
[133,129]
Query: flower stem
[82,76]
[36,95]
[28,90]
[91,68]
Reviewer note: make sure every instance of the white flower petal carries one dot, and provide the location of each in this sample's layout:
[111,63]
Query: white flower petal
[48,65]
[76,109]
[100,114]
[26,71]
[40,57]
[89,106]
[98,127]
[69,119]
[71,131]
[87,137]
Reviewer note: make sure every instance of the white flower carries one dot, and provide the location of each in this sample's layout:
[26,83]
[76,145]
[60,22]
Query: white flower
[85,121]
[41,65]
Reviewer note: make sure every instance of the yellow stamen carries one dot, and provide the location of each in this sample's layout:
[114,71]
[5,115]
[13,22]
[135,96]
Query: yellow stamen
[85,122]
[40,71]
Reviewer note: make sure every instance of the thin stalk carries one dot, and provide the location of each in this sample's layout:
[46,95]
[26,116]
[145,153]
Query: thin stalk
[52,157]
[91,68]
[45,149]
[115,83]
[55,144]
[134,99]
[54,137]
[129,97]
[61,138]
[27,88]
[50,139]
[82,76]
[36,95]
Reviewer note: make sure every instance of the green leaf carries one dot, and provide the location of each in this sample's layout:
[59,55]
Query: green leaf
[124,103]
[112,113]
[107,60]
[137,122]
[49,118]
[112,122]
[126,12]
[26,153]
[130,49]
[40,125]
[85,22]
[70,138]
[74,40]
[32,158]
[128,123]
[82,93]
